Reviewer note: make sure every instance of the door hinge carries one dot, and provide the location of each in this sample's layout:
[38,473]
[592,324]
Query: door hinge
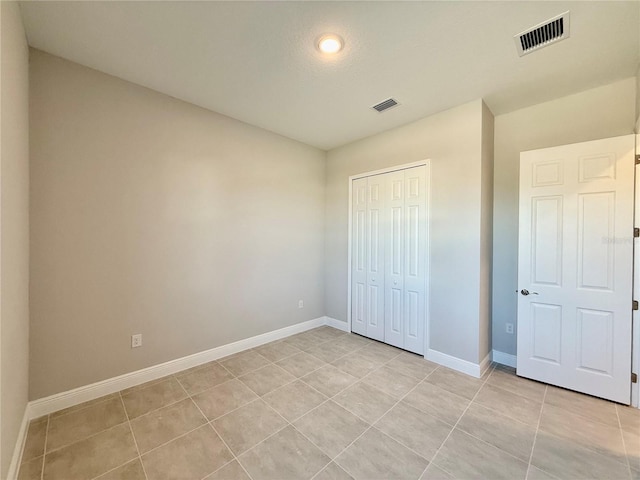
[636,232]
[634,378]
[635,304]
[638,159]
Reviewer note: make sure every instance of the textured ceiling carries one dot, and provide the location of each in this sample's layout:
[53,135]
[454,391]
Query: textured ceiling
[256,61]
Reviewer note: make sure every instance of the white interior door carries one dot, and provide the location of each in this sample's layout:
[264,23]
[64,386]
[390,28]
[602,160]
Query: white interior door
[394,330]
[575,266]
[389,257]
[358,256]
[376,223]
[415,259]
[367,265]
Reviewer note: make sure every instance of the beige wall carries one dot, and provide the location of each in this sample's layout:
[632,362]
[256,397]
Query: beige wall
[153,216]
[486,232]
[638,100]
[14,228]
[602,112]
[452,141]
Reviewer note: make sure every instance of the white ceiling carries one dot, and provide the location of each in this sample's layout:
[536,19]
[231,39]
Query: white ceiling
[256,61]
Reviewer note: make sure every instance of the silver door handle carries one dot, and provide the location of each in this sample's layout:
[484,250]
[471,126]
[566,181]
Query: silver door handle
[526,292]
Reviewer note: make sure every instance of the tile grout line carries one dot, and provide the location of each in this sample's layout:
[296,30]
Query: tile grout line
[624,443]
[535,436]
[435,455]
[207,422]
[44,449]
[144,470]
[387,411]
[316,407]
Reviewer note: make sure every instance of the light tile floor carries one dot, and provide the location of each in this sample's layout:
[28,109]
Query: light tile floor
[329,405]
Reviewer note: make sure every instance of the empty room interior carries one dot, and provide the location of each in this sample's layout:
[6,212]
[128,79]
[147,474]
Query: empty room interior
[319,240]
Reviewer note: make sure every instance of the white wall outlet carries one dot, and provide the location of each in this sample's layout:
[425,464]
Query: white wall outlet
[136,340]
[300,303]
[510,328]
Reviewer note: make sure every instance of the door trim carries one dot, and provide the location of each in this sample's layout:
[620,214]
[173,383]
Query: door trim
[426,163]
[635,329]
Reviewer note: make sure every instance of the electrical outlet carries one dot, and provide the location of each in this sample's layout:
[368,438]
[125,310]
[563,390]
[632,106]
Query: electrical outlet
[300,303]
[136,340]
[510,328]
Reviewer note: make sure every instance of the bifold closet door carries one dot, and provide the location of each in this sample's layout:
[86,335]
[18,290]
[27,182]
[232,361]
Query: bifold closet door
[405,255]
[388,271]
[367,271]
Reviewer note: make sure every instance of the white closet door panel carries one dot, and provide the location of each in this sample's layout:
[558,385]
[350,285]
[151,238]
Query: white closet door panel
[394,259]
[415,260]
[359,257]
[376,222]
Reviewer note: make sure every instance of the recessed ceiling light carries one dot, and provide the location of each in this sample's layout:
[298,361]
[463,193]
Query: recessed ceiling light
[330,43]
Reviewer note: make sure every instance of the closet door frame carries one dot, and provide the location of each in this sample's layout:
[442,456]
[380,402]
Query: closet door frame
[426,164]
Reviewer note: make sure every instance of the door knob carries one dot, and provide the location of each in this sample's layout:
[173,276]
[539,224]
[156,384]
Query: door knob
[395,282]
[526,292]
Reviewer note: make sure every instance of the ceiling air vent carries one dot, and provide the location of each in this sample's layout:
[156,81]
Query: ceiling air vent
[387,104]
[543,34]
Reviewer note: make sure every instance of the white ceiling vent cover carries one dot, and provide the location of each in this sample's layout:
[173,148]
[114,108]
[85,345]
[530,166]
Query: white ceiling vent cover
[543,34]
[386,105]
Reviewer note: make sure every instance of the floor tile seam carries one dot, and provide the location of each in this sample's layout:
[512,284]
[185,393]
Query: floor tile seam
[501,413]
[82,408]
[371,426]
[435,455]
[275,389]
[574,412]
[226,369]
[133,435]
[261,368]
[234,410]
[591,451]
[208,388]
[334,360]
[287,356]
[44,447]
[260,442]
[172,404]
[514,392]
[115,468]
[308,373]
[408,374]
[87,437]
[401,443]
[591,448]
[624,443]
[540,402]
[329,397]
[223,441]
[323,469]
[206,422]
[321,450]
[152,383]
[521,460]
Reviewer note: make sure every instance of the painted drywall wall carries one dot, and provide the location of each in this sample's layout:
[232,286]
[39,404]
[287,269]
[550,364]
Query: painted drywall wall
[452,141]
[154,216]
[638,100]
[486,231]
[14,228]
[602,112]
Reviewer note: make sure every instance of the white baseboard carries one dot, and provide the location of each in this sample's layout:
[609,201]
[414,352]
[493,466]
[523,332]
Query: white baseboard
[16,459]
[504,358]
[338,324]
[455,363]
[485,364]
[53,403]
